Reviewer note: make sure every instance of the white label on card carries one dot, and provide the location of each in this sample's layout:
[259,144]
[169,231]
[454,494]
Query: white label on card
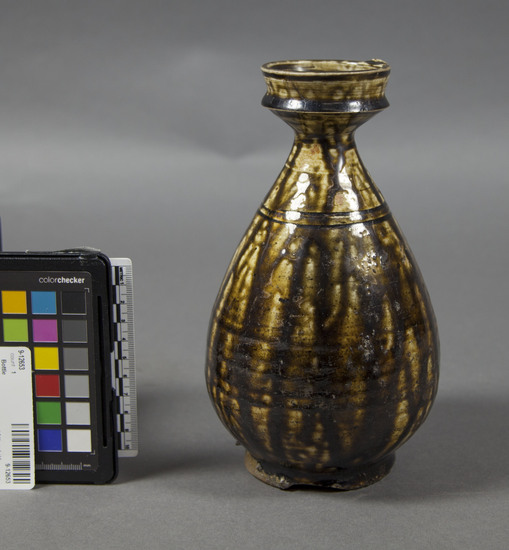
[17,468]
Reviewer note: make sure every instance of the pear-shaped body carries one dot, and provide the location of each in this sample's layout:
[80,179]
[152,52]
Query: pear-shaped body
[323,348]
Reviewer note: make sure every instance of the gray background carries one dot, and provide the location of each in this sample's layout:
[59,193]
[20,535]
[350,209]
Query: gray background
[136,127]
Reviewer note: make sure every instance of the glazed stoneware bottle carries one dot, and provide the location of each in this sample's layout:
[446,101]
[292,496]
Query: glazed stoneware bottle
[323,348]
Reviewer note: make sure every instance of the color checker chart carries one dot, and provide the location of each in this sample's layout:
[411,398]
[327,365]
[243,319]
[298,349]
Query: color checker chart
[60,317]
[55,323]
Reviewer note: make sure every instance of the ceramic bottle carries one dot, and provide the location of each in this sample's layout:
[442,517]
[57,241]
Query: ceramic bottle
[323,348]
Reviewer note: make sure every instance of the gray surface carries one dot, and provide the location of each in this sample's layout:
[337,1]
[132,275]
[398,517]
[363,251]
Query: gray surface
[136,127]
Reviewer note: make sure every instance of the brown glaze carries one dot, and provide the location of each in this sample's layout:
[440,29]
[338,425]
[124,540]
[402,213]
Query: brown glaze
[323,348]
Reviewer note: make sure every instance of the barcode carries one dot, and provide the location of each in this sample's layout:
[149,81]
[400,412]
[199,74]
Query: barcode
[21,465]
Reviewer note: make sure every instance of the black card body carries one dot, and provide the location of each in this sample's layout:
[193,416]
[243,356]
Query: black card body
[59,306]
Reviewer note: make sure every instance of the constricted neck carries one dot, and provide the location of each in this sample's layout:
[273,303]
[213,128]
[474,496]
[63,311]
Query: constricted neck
[325,102]
[324,175]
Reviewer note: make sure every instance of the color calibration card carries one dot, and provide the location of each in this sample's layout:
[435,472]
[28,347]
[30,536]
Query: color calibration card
[57,308]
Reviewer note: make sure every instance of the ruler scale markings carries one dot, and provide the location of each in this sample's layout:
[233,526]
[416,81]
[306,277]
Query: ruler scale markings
[123,358]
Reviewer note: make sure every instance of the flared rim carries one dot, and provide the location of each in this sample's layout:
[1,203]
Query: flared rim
[318,68]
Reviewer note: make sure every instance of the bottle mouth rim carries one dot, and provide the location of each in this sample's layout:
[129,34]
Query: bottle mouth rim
[318,68]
